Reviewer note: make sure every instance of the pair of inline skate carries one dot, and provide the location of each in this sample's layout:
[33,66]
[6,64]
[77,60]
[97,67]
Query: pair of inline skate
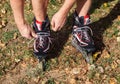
[81,40]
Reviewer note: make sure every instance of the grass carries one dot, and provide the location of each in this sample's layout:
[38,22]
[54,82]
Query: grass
[17,57]
[51,81]
[118,78]
[7,36]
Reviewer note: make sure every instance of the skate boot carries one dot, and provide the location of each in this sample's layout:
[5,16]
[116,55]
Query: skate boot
[82,37]
[43,42]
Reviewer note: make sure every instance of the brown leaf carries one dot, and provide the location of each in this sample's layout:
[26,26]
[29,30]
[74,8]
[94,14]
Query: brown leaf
[88,82]
[118,61]
[118,17]
[114,65]
[105,5]
[15,36]
[113,81]
[105,54]
[100,68]
[1,24]
[96,55]
[4,23]
[118,39]
[2,44]
[72,81]
[97,75]
[23,65]
[76,71]
[3,11]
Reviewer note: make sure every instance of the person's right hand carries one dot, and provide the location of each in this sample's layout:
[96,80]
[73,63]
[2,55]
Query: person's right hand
[26,31]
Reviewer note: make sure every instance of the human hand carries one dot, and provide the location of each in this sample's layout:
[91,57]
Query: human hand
[58,21]
[26,31]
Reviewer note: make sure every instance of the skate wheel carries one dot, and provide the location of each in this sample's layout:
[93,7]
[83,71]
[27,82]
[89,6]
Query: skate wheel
[41,65]
[89,58]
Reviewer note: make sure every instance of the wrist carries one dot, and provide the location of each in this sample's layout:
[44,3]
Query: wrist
[63,11]
[20,22]
[21,25]
[67,6]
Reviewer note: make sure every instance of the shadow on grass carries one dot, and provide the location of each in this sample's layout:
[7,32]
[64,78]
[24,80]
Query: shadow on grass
[60,38]
[97,4]
[101,25]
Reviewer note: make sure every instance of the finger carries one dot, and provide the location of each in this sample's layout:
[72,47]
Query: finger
[33,34]
[63,23]
[27,36]
[57,28]
[53,25]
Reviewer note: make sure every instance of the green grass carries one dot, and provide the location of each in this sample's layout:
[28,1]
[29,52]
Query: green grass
[51,81]
[21,81]
[17,50]
[7,36]
[118,78]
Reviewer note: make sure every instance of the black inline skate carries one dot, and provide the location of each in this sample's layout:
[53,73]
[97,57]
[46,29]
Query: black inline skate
[43,42]
[82,37]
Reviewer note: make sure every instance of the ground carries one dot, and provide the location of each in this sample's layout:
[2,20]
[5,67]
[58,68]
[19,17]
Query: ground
[65,65]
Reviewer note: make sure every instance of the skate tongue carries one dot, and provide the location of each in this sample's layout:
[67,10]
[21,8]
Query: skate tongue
[81,20]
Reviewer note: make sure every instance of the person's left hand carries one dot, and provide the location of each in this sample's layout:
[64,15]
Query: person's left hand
[58,21]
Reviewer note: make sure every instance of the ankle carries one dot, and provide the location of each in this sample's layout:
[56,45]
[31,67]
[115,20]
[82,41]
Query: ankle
[40,18]
[83,20]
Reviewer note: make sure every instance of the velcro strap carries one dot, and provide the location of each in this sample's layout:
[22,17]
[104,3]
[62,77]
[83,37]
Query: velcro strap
[43,33]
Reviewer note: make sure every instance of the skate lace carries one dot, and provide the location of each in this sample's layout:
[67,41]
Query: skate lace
[41,37]
[83,32]
[41,41]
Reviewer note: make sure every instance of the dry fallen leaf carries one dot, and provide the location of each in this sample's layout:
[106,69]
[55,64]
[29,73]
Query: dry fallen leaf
[118,17]
[97,75]
[114,65]
[15,36]
[76,71]
[118,61]
[91,67]
[105,54]
[2,44]
[4,23]
[3,11]
[105,5]
[96,55]
[23,65]
[72,81]
[100,68]
[113,81]
[88,82]
[1,26]
[17,60]
[118,39]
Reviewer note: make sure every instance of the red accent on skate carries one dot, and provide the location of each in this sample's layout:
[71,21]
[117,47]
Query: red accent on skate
[79,36]
[38,22]
[86,18]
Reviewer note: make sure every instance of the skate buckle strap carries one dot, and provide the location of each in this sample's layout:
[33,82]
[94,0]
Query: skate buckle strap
[43,33]
[77,30]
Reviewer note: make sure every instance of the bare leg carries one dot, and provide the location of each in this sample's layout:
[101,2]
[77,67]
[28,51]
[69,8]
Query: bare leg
[40,9]
[83,7]
[58,20]
[18,11]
